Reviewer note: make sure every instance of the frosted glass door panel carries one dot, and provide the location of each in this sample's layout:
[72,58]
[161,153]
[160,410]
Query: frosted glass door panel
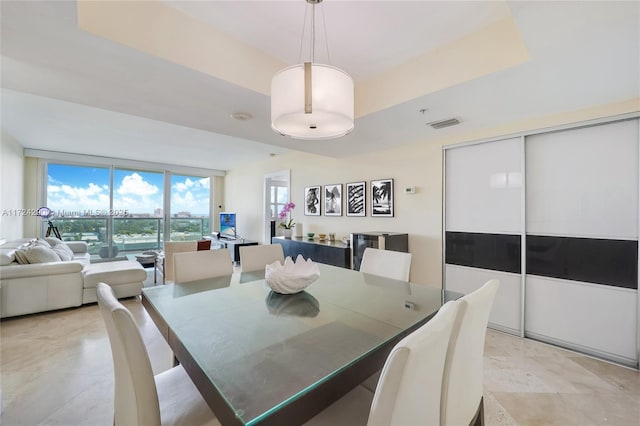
[505,313]
[596,319]
[483,187]
[584,182]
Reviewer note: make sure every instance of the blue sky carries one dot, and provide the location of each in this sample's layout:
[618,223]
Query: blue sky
[76,188]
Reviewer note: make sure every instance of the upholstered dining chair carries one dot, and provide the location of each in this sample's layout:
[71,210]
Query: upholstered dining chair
[410,386]
[462,401]
[386,263]
[197,265]
[204,245]
[170,398]
[254,258]
[171,248]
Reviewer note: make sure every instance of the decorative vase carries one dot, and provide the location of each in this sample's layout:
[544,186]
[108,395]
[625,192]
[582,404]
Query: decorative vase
[287,233]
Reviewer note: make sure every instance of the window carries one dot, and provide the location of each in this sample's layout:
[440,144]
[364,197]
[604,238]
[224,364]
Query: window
[111,207]
[190,206]
[137,209]
[279,197]
[79,198]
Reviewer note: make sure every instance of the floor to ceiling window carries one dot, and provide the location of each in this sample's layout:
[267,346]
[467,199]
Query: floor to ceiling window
[118,210]
[190,207]
[79,198]
[137,218]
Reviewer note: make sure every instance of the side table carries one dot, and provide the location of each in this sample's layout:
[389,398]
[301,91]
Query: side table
[148,260]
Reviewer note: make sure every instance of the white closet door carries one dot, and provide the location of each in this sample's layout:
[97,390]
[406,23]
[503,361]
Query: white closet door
[483,224]
[582,232]
[584,182]
[483,187]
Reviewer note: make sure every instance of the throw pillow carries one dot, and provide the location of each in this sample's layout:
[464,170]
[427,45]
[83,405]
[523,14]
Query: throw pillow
[41,242]
[53,241]
[40,254]
[21,256]
[63,251]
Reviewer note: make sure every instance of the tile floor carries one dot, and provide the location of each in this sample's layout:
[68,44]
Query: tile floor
[56,369]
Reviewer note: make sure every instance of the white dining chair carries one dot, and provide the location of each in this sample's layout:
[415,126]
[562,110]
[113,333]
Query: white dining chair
[197,265]
[386,263]
[171,248]
[170,398]
[462,401]
[410,386]
[255,258]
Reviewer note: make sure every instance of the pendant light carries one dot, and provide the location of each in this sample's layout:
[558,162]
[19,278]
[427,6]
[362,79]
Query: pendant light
[312,101]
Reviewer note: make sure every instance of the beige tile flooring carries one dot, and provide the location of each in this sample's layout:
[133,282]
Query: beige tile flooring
[56,369]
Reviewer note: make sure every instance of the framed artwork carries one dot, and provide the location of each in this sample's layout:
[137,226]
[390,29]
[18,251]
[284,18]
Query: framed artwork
[382,198]
[333,200]
[312,196]
[356,202]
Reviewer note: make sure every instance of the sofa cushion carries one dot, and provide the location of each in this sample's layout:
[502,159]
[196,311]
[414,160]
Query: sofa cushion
[7,256]
[78,247]
[120,272]
[16,243]
[63,252]
[40,254]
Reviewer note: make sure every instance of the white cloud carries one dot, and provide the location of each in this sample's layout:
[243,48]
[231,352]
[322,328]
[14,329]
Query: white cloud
[134,194]
[192,195]
[137,203]
[200,183]
[204,182]
[51,180]
[136,185]
[73,198]
[190,202]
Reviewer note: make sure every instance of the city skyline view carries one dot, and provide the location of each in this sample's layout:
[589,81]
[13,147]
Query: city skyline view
[80,191]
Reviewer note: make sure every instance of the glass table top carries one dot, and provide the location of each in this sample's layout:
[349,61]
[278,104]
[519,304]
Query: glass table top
[262,350]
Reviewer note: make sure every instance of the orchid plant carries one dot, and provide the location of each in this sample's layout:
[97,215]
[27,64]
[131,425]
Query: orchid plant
[287,224]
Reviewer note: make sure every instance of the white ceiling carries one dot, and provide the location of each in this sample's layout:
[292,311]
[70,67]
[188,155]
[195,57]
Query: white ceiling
[68,90]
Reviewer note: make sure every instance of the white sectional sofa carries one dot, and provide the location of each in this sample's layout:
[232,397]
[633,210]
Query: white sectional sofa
[38,287]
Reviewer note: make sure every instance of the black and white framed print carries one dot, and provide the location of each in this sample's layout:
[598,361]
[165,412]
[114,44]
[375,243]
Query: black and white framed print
[333,200]
[382,198]
[312,197]
[356,203]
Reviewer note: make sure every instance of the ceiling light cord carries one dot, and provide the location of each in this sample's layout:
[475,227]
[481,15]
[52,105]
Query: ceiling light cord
[313,33]
[304,27]
[326,34]
[312,41]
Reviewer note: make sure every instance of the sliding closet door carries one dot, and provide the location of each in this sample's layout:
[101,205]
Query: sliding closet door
[483,224]
[582,239]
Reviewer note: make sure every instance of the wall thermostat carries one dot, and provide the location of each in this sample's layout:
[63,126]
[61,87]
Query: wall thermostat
[410,190]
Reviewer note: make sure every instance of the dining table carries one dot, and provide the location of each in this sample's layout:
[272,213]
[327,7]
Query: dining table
[260,357]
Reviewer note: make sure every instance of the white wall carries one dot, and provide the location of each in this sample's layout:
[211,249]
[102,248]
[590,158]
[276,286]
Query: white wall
[419,214]
[11,187]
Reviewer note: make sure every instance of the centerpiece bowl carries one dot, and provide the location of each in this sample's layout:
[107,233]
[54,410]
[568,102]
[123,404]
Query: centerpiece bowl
[291,277]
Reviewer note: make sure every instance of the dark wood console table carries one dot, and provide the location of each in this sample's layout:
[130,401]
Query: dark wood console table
[329,252]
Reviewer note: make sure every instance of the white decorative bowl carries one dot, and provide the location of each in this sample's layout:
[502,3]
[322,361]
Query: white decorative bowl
[292,277]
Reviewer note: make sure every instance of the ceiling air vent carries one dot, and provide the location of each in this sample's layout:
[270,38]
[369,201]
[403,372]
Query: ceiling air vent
[444,123]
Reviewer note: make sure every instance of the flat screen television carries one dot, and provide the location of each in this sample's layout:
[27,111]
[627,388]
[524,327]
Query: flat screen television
[228,225]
